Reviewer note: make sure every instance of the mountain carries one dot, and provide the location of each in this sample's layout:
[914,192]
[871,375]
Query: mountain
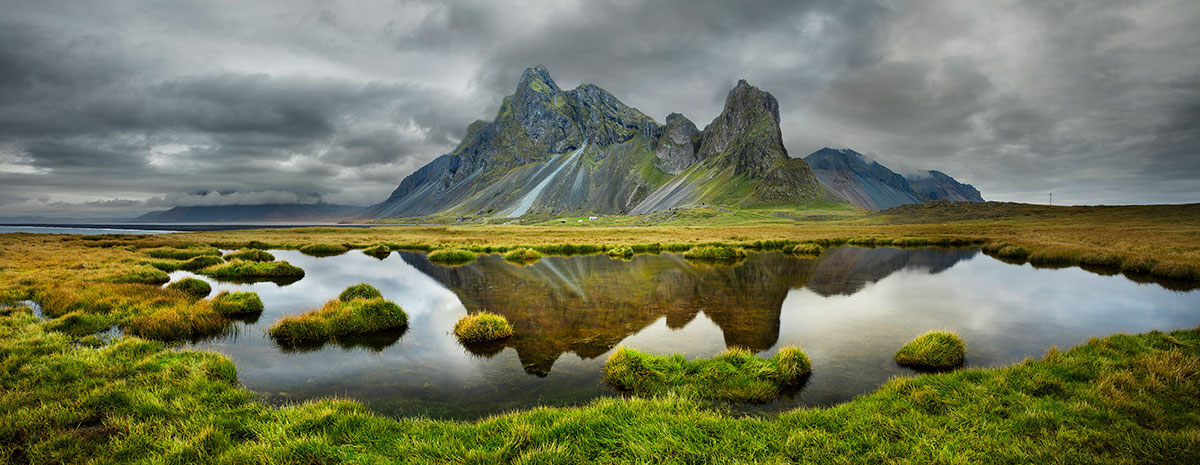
[265,212]
[871,185]
[555,152]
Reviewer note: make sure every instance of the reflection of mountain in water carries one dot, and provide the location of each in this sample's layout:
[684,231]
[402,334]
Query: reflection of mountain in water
[588,304]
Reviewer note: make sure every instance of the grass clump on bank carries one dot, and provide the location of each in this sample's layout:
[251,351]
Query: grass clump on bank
[251,255]
[482,327]
[339,317]
[238,269]
[719,253]
[142,274]
[623,252]
[804,248]
[451,256]
[734,376]
[237,303]
[934,349]
[523,255]
[360,291]
[188,253]
[378,251]
[194,288]
[324,250]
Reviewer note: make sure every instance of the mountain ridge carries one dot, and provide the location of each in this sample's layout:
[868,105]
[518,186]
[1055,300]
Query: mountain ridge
[868,184]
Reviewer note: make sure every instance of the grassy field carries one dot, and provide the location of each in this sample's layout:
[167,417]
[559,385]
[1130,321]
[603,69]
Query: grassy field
[72,393]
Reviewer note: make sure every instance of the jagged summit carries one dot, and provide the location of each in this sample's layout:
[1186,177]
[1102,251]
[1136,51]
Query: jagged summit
[553,152]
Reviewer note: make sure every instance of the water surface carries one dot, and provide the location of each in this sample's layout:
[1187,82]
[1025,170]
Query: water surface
[849,309]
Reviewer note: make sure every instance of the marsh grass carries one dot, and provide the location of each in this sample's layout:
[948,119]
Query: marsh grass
[360,291]
[805,248]
[201,262]
[379,251]
[734,376]
[623,252]
[338,318]
[452,256]
[142,274]
[523,255]
[238,269]
[715,253]
[79,323]
[324,250]
[186,253]
[482,327]
[192,287]
[237,303]
[934,349]
[251,255]
[177,321]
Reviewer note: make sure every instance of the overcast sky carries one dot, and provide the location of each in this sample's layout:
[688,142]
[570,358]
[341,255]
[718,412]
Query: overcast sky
[116,107]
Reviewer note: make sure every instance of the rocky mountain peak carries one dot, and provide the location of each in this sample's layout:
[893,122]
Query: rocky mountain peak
[678,145]
[746,133]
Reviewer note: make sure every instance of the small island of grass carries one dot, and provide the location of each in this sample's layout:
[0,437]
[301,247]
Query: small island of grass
[324,250]
[523,255]
[804,248]
[735,376]
[378,251]
[237,303]
[360,291]
[623,252]
[251,255]
[201,262]
[934,349]
[142,274]
[339,317]
[194,288]
[238,269]
[717,253]
[451,256]
[482,327]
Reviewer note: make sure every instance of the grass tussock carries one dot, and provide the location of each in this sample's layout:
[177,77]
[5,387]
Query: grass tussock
[451,256]
[379,251]
[623,252]
[718,253]
[324,250]
[934,349]
[186,253]
[79,323]
[177,322]
[238,269]
[482,327]
[192,287]
[142,274]
[804,248]
[353,316]
[360,291]
[237,303]
[523,255]
[201,262]
[251,255]
[735,376]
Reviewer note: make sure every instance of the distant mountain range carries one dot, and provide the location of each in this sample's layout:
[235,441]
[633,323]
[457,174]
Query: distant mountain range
[870,185]
[266,212]
[551,152]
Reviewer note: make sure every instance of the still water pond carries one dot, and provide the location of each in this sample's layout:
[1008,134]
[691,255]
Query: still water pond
[849,309]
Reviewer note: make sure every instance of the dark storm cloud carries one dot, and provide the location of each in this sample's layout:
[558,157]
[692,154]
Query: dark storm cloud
[337,101]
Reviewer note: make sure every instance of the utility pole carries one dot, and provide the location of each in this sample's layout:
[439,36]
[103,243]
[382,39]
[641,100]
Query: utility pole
[1052,199]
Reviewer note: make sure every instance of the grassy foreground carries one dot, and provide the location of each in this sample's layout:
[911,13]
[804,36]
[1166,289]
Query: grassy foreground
[735,376]
[1121,399]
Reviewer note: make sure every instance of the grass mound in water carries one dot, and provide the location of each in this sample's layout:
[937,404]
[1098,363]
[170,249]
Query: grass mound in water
[379,251]
[360,291]
[934,349]
[623,252]
[324,250]
[242,269]
[341,318]
[142,274]
[237,303]
[717,253]
[523,255]
[451,256]
[735,376]
[196,288]
[251,255]
[805,248]
[482,327]
[201,262]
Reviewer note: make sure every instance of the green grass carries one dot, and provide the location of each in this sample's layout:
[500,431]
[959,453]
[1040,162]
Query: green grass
[251,255]
[482,327]
[324,250]
[523,255]
[451,256]
[806,248]
[718,253]
[624,252]
[379,251]
[173,253]
[176,321]
[192,287]
[237,303]
[79,323]
[735,376]
[201,262]
[934,349]
[359,310]
[238,269]
[142,274]
[360,291]
[1121,399]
